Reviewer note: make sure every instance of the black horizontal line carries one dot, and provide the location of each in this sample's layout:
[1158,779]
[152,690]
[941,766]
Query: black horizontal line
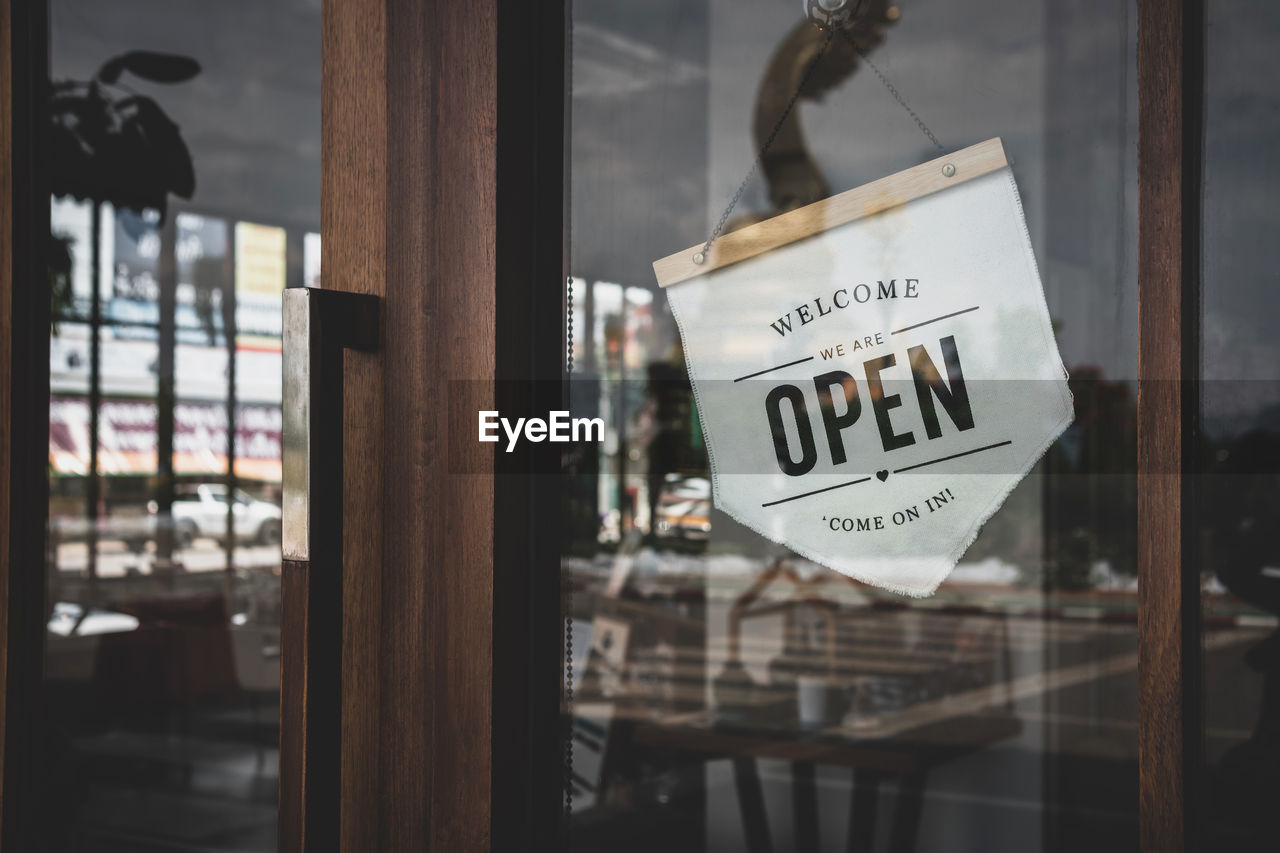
[952,456]
[771,369]
[936,319]
[816,492]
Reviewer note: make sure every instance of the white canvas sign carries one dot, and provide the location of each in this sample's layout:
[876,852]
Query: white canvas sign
[877,371]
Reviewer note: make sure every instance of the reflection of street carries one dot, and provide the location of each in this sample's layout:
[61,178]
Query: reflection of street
[204,555]
[972,701]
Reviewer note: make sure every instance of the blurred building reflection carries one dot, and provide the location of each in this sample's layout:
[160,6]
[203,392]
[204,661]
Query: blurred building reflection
[1239,486]
[162,662]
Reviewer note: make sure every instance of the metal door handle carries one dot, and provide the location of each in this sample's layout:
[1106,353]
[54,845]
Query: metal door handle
[319,325]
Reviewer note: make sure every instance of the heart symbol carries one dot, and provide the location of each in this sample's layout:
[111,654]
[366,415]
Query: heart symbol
[882,475]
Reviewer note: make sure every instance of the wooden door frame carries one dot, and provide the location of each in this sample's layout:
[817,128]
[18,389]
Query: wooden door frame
[443,192]
[1171,47]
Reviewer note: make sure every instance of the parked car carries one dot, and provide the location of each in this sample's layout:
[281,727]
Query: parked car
[684,508]
[201,511]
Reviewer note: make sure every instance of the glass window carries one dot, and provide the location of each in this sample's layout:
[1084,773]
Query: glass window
[1239,491]
[729,695]
[186,174]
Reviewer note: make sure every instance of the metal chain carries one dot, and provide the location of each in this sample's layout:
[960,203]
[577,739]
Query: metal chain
[897,96]
[567,604]
[568,334]
[568,704]
[565,580]
[701,256]
[764,149]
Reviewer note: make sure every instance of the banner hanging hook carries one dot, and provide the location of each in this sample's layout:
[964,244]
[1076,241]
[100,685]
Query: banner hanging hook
[830,13]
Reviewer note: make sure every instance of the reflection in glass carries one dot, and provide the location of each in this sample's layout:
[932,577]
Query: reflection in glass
[1239,502]
[163,645]
[729,695]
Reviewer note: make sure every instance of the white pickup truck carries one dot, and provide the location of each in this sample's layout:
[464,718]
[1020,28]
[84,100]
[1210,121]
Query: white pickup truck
[202,511]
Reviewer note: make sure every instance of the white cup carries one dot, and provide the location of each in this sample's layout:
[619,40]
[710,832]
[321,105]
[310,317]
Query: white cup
[811,699]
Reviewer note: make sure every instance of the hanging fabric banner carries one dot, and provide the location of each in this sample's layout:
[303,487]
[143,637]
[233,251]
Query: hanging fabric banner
[877,371]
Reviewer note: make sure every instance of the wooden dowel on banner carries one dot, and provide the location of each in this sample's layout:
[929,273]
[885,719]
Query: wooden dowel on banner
[867,200]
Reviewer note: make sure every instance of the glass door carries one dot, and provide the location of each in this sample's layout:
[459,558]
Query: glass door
[726,693]
[183,160]
[720,691]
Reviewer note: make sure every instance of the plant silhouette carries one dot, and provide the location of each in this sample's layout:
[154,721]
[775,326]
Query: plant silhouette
[108,144]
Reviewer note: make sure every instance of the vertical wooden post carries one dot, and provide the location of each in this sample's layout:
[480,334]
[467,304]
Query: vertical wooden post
[1170,90]
[354,233]
[408,213]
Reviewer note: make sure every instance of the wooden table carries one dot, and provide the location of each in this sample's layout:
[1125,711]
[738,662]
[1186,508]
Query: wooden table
[909,755]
